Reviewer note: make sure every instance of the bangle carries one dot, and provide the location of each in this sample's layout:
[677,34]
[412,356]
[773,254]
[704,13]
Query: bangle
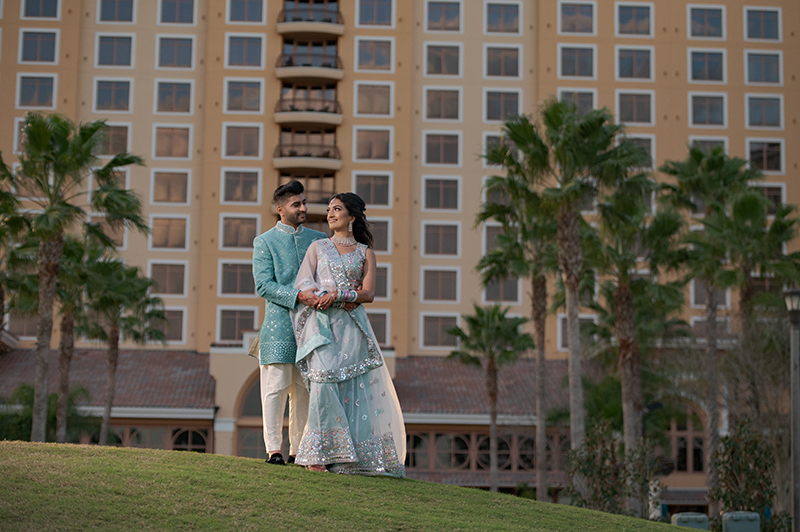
[353,296]
[346,296]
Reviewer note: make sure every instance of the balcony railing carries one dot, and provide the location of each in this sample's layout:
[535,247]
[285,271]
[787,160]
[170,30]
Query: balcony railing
[310,105]
[323,151]
[327,16]
[309,60]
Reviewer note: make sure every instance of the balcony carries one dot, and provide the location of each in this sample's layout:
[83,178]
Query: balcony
[312,66]
[297,156]
[308,111]
[310,22]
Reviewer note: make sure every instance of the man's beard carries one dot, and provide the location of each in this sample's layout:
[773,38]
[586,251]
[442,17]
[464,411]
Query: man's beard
[296,219]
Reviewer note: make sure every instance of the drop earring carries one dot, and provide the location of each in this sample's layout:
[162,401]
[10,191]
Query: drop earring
[350,227]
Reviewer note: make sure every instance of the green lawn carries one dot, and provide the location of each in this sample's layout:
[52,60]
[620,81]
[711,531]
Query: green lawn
[71,487]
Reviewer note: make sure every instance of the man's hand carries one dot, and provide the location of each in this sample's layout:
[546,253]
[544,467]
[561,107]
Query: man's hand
[308,297]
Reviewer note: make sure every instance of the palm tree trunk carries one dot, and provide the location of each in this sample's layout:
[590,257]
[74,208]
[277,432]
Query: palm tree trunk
[47,271]
[539,311]
[2,307]
[111,381]
[570,261]
[712,393]
[491,388]
[65,349]
[629,365]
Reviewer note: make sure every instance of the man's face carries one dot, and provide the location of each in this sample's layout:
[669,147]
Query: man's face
[293,210]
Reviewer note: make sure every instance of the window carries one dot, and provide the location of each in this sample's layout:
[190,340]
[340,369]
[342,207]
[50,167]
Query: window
[706,22]
[707,65]
[238,232]
[577,17]
[112,96]
[375,12]
[440,239]
[115,233]
[319,187]
[379,321]
[38,47]
[583,100]
[442,148]
[764,111]
[381,235]
[113,141]
[244,51]
[246,11]
[173,97]
[374,54]
[233,323]
[699,295]
[240,186]
[686,440]
[243,141]
[382,281]
[434,331]
[22,326]
[320,54]
[40,9]
[168,233]
[502,17]
[502,105]
[708,145]
[763,67]
[708,110]
[576,61]
[373,144]
[170,278]
[585,322]
[635,64]
[766,155]
[776,194]
[634,20]
[177,11]
[442,104]
[171,326]
[172,142]
[373,99]
[116,10]
[635,107]
[36,92]
[441,193]
[647,144]
[763,24]
[374,189]
[175,52]
[243,96]
[170,187]
[442,60]
[311,142]
[504,290]
[502,61]
[113,50]
[440,285]
[237,278]
[444,16]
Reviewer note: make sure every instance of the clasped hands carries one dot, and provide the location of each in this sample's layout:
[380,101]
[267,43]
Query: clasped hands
[323,302]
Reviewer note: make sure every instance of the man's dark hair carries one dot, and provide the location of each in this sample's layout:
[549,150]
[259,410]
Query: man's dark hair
[292,188]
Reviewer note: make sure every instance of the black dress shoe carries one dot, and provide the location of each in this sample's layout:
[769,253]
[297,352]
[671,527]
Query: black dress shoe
[290,460]
[276,459]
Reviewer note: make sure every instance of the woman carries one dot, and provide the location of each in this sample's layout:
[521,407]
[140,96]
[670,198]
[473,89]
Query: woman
[354,420]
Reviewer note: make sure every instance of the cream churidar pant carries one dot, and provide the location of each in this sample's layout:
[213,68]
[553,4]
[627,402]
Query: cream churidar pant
[279,381]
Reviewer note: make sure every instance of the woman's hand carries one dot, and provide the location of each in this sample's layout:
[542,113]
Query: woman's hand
[325,302]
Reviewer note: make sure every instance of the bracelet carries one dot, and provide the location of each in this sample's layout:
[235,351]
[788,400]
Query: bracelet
[346,296]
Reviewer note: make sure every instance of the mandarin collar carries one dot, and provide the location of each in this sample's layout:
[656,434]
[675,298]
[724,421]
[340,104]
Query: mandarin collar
[288,229]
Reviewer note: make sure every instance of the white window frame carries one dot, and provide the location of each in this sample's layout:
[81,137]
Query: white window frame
[159,22]
[220,308]
[223,295]
[56,31]
[170,250]
[90,180]
[422,316]
[723,51]
[459,239]
[187,171]
[724,95]
[259,172]
[779,10]
[777,96]
[651,93]
[460,29]
[389,240]
[779,53]
[722,305]
[772,184]
[560,46]
[20,75]
[226,125]
[423,269]
[124,245]
[561,90]
[358,83]
[261,36]
[459,45]
[459,192]
[517,3]
[98,79]
[190,81]
[520,60]
[189,36]
[245,23]
[721,320]
[7,324]
[721,7]
[592,3]
[157,125]
[129,126]
[780,141]
[484,136]
[518,301]
[185,311]
[650,5]
[388,313]
[184,263]
[724,139]
[223,216]
[388,266]
[15,167]
[392,51]
[457,88]
[390,26]
[650,49]
[17,127]
[390,129]
[560,339]
[459,134]
[390,174]
[54,19]
[229,79]
[652,138]
[97,37]
[98,10]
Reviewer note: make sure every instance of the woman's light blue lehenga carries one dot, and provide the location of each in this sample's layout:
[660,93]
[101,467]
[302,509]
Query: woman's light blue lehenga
[355,424]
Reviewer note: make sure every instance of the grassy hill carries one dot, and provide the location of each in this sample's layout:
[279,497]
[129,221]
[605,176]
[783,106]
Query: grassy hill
[70,487]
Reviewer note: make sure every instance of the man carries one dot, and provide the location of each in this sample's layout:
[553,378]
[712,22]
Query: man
[277,255]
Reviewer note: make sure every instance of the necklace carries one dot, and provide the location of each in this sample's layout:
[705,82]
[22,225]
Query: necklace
[343,240]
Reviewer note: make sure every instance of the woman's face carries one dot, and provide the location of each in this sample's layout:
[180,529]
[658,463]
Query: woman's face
[338,218]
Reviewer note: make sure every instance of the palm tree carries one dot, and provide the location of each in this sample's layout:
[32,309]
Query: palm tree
[118,299]
[12,227]
[57,157]
[494,336]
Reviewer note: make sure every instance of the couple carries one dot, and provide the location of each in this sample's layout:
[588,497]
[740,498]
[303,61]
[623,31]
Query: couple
[317,346]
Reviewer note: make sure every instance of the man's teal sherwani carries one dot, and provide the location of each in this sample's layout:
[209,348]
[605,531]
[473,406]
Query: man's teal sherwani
[277,255]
